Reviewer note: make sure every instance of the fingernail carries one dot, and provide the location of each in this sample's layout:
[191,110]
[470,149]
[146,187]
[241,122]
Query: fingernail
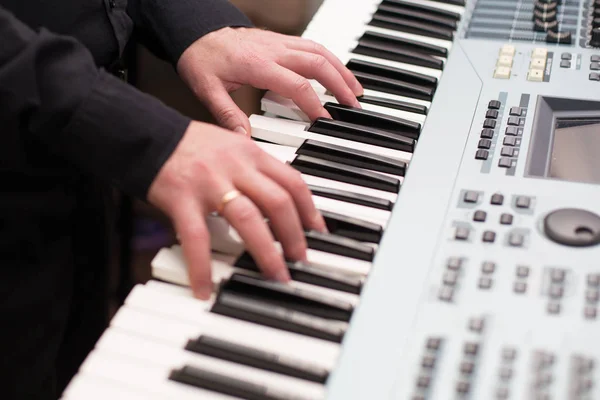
[283,276]
[357,104]
[358,89]
[320,221]
[241,130]
[204,292]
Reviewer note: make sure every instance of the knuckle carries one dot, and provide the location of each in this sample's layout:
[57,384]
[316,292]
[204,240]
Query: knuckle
[303,85]
[271,259]
[319,62]
[246,213]
[297,184]
[226,114]
[280,203]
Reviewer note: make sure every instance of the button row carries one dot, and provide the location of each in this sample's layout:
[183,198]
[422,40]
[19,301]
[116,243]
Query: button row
[537,64]
[514,239]
[504,62]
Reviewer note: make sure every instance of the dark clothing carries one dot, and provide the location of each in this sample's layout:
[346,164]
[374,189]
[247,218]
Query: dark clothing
[66,125]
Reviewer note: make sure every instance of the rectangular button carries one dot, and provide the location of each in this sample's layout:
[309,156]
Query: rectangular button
[497,199]
[484,143]
[482,154]
[516,111]
[505,61]
[493,114]
[565,64]
[489,123]
[523,202]
[514,121]
[487,133]
[539,52]
[594,76]
[494,104]
[461,233]
[535,75]
[502,73]
[505,162]
[507,50]
[510,141]
[512,131]
[471,197]
[507,151]
[595,66]
[516,239]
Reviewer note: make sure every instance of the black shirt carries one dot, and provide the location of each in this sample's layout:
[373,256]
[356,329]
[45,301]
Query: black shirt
[60,112]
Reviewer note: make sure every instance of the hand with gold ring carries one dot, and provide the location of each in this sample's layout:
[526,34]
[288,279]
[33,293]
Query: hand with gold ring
[213,169]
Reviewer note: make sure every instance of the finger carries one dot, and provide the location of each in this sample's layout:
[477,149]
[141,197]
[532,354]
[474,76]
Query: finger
[315,66]
[291,85]
[243,215]
[316,48]
[226,112]
[278,205]
[292,182]
[189,223]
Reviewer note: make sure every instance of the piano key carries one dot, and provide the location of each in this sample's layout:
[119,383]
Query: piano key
[452,8]
[173,319]
[230,351]
[354,198]
[370,118]
[261,312]
[393,73]
[393,86]
[391,103]
[418,15]
[85,387]
[143,350]
[279,294]
[369,214]
[303,271]
[352,228]
[411,26]
[317,181]
[356,158]
[339,245]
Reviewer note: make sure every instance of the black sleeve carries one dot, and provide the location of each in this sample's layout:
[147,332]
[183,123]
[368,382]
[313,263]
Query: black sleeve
[54,95]
[168,27]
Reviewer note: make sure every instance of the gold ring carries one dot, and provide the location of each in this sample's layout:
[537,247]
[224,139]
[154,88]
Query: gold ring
[227,197]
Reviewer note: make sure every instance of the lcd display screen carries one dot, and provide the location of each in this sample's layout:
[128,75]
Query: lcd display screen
[575,153]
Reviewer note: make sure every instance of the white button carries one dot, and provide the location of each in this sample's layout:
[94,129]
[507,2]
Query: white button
[539,52]
[537,63]
[535,75]
[505,61]
[502,73]
[507,50]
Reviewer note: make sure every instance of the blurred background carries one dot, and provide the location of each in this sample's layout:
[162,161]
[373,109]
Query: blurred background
[141,230]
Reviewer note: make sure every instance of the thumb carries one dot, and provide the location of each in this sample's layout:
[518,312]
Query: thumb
[226,112]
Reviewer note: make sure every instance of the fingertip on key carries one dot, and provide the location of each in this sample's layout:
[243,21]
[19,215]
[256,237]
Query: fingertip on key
[203,292]
[283,276]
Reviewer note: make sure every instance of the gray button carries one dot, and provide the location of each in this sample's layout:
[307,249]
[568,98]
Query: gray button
[507,152]
[590,312]
[520,287]
[509,354]
[467,367]
[565,64]
[583,386]
[487,133]
[476,324]
[446,293]
[423,381]
[488,236]
[556,291]
[595,66]
[506,219]
[497,199]
[509,141]
[522,271]
[594,76]
[463,387]
[454,263]
[566,56]
[418,397]
[450,278]
[515,111]
[512,131]
[543,380]
[523,202]
[593,279]
[516,239]
[502,393]
[491,114]
[514,121]
[485,282]
[489,123]
[484,143]
[482,154]
[544,359]
[488,267]
[479,216]
[558,275]
[595,58]
[505,162]
[553,308]
[471,197]
[505,373]
[592,295]
[434,343]
[461,233]
[428,362]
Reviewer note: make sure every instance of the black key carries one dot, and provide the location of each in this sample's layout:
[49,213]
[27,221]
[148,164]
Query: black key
[455,2]
[392,86]
[352,198]
[387,51]
[339,245]
[345,173]
[418,15]
[385,71]
[405,43]
[394,104]
[410,26]
[248,309]
[357,158]
[283,295]
[227,385]
[303,271]
[363,134]
[257,358]
[404,5]
[352,228]
[374,119]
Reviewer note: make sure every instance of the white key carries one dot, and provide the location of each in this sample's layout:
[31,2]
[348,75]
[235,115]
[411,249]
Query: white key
[86,387]
[294,134]
[192,317]
[145,351]
[318,181]
[369,214]
[143,376]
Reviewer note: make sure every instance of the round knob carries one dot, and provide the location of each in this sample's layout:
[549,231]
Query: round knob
[544,16]
[545,6]
[540,26]
[595,40]
[573,227]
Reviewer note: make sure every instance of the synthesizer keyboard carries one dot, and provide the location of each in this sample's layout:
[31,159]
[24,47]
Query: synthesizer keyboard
[464,219]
